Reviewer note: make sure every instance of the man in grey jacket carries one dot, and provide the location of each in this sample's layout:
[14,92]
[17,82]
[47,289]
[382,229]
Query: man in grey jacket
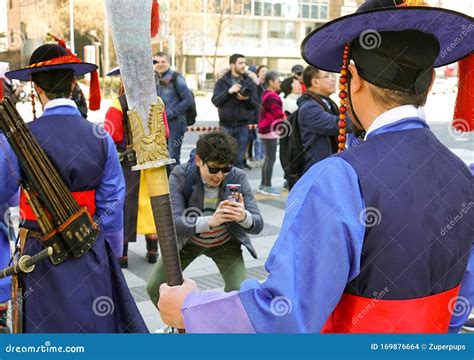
[207,222]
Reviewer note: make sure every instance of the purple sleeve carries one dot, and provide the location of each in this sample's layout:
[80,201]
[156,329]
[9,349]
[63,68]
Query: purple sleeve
[9,171]
[215,312]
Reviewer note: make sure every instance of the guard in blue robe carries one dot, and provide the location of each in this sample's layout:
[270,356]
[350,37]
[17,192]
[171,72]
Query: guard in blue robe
[378,238]
[89,293]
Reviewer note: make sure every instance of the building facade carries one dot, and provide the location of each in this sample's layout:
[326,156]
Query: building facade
[266,31]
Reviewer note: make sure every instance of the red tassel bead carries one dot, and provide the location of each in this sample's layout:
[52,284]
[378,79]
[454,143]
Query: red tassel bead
[341,138]
[342,109]
[342,124]
[342,94]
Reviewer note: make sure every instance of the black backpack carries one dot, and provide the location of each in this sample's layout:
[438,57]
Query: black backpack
[291,151]
[191,112]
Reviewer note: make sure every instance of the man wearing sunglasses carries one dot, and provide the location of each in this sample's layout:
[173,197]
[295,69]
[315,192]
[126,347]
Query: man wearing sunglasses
[207,223]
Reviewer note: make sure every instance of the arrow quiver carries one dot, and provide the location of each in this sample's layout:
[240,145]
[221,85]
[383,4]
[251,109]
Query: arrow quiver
[65,226]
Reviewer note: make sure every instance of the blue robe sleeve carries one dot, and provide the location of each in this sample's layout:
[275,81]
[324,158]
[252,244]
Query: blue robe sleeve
[316,255]
[109,198]
[9,184]
[463,306]
[9,171]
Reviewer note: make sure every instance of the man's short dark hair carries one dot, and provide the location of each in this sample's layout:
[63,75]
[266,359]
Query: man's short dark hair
[55,83]
[233,58]
[162,54]
[309,74]
[217,147]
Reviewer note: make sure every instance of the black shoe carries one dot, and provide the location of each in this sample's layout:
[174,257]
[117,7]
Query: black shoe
[152,257]
[247,167]
[123,262]
[151,249]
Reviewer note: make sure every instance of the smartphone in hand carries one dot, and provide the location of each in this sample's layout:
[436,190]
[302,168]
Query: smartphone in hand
[232,192]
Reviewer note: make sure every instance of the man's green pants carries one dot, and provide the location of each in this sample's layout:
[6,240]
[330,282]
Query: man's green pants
[228,258]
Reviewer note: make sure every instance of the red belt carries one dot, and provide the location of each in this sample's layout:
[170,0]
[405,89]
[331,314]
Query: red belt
[83,198]
[355,314]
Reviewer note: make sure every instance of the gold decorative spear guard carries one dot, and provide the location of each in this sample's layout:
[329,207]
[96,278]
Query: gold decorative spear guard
[152,157]
[131,22]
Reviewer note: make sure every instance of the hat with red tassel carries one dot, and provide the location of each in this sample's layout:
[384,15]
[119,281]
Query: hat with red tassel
[464,110]
[49,57]
[395,44]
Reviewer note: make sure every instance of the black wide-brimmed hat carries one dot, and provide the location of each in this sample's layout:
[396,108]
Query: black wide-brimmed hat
[50,57]
[453,31]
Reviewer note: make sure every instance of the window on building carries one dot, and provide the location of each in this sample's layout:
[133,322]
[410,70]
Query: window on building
[281,30]
[324,11]
[277,9]
[244,28]
[248,8]
[314,9]
[267,8]
[258,8]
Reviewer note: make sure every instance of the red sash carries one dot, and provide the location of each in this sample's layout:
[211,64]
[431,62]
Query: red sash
[83,198]
[355,314]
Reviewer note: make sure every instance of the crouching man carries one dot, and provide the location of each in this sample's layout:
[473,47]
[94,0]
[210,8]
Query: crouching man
[214,211]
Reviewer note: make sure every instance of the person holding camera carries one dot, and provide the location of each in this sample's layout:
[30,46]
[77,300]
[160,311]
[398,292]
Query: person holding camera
[236,99]
[214,210]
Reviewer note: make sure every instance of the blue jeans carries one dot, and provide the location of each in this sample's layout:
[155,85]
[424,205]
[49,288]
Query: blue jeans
[259,152]
[240,133]
[177,130]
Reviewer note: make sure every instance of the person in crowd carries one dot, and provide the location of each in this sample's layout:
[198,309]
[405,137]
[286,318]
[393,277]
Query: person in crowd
[318,117]
[235,96]
[290,101]
[258,151]
[7,87]
[171,87]
[214,210]
[296,73]
[271,116]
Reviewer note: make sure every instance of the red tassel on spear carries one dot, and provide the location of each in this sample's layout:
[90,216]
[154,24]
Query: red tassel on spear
[155,18]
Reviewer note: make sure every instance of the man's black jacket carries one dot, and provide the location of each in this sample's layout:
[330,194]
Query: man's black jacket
[233,112]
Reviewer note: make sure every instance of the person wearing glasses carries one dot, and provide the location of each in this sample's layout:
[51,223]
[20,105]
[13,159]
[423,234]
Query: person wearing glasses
[317,117]
[207,222]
